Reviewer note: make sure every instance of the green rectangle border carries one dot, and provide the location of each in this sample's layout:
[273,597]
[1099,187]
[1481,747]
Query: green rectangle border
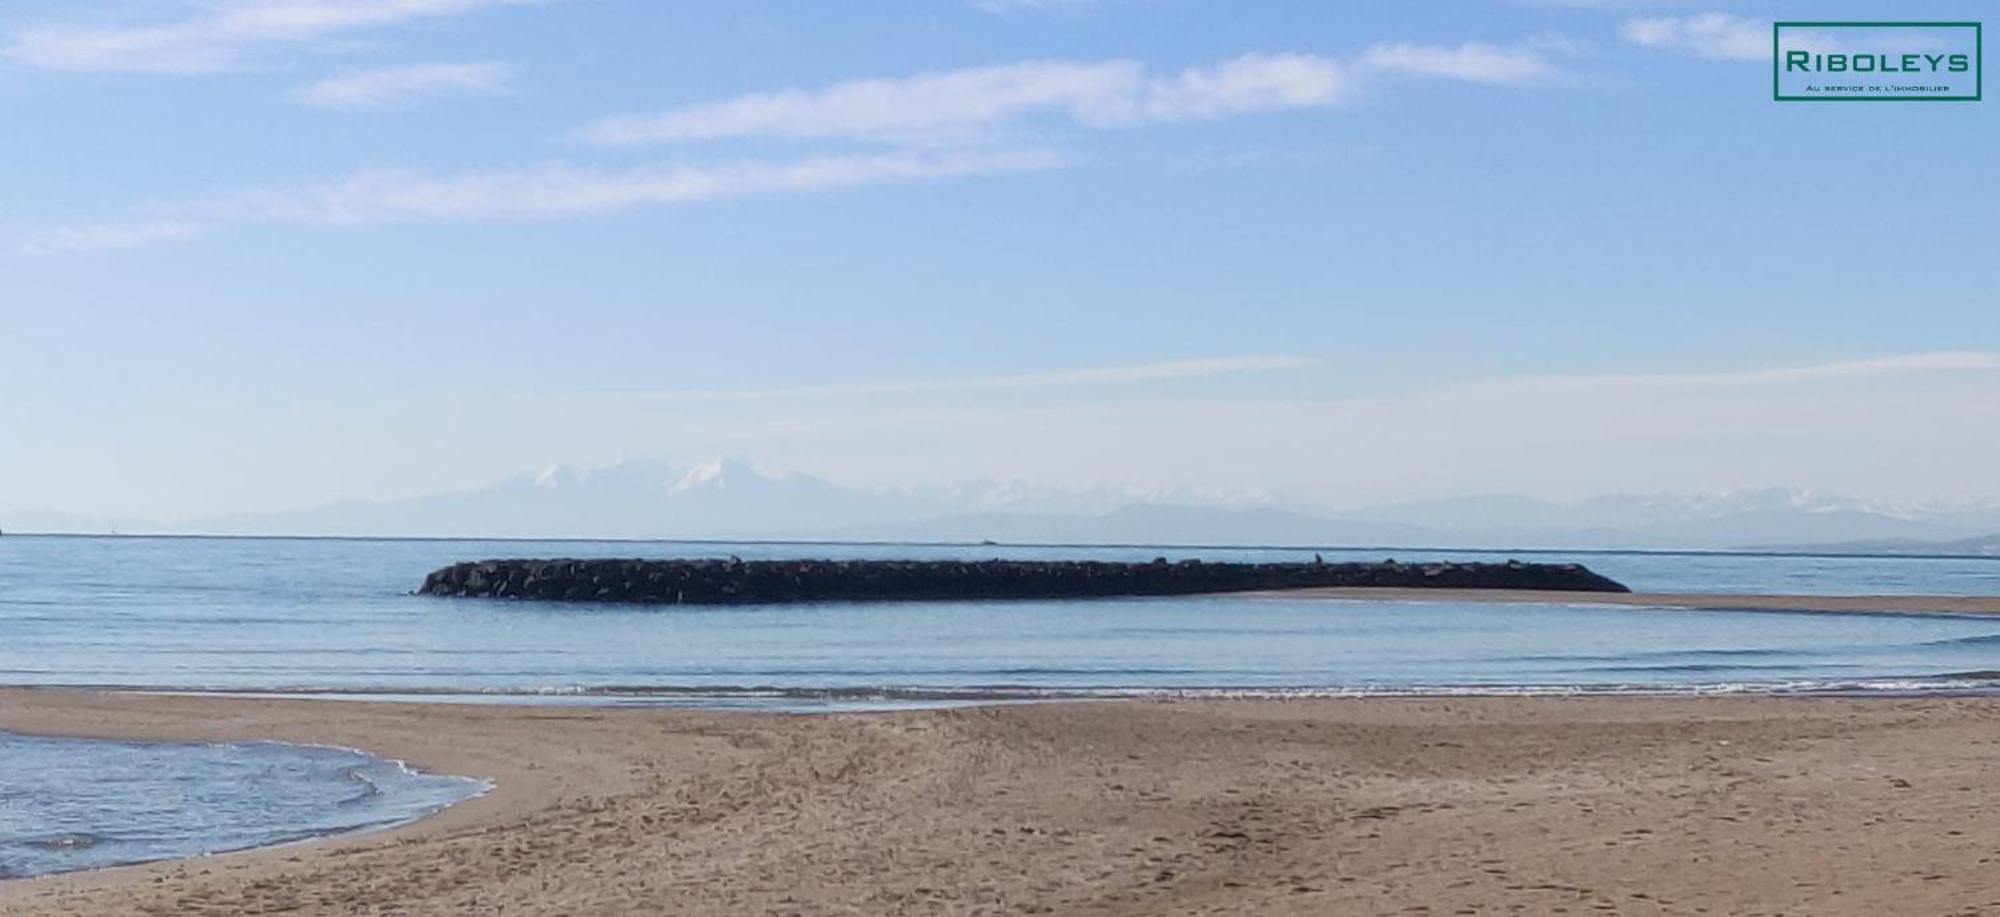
[1978,54]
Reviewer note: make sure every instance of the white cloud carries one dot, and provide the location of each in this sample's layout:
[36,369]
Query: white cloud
[110,236]
[955,104]
[372,197]
[1558,43]
[1471,62]
[952,105]
[1015,6]
[392,86]
[545,192]
[1251,83]
[1143,372]
[220,39]
[931,103]
[1591,4]
[1898,365]
[1720,36]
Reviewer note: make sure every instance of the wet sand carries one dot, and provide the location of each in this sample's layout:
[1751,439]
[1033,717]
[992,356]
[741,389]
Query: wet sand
[1883,604]
[1382,806]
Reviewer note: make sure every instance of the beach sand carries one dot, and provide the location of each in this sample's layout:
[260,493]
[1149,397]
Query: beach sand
[1380,806]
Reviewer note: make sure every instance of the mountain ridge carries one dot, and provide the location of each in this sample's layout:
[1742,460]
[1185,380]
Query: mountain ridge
[734,498]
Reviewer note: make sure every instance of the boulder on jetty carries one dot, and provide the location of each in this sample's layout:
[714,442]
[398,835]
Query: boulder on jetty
[732,581]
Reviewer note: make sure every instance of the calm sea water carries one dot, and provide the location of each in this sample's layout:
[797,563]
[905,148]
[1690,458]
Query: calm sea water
[69,804]
[338,616]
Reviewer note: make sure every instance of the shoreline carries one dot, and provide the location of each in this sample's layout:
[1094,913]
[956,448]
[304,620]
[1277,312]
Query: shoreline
[1845,806]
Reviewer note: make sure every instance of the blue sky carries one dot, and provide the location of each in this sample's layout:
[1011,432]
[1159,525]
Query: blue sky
[263,253]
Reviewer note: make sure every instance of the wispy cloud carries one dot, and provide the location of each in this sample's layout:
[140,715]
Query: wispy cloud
[388,87]
[1719,36]
[549,191]
[944,124]
[1100,94]
[1591,4]
[930,103]
[1105,375]
[1472,62]
[374,197]
[1016,6]
[221,38]
[1251,83]
[1560,44]
[110,236]
[1949,361]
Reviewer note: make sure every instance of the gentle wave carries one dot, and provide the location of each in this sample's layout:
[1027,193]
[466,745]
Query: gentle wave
[1954,683]
[1635,657]
[1981,640]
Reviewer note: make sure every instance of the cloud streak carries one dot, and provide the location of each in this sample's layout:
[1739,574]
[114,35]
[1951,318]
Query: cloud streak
[390,87]
[224,38]
[937,125]
[111,236]
[1952,361]
[1016,6]
[540,193]
[1717,36]
[955,104]
[931,103]
[1472,62]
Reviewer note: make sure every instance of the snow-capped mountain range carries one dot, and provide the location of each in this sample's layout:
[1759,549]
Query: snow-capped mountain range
[734,498]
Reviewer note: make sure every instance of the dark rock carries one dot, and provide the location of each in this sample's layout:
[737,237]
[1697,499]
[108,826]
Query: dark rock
[736,581]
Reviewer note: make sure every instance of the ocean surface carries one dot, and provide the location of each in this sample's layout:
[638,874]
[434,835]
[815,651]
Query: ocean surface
[337,616]
[68,804]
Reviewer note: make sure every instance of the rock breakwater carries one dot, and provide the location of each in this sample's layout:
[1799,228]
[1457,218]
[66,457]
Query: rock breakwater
[733,581]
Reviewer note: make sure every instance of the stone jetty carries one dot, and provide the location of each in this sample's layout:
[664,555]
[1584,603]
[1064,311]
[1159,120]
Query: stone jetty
[731,581]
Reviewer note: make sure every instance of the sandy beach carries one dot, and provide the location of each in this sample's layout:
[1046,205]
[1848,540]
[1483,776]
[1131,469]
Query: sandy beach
[1378,806]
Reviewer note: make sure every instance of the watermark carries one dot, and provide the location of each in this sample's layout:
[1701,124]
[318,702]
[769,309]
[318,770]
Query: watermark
[1877,61]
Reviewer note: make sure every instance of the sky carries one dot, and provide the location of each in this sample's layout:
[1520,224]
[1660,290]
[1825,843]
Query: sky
[258,254]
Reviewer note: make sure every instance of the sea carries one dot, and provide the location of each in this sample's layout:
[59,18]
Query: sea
[339,618]
[68,804]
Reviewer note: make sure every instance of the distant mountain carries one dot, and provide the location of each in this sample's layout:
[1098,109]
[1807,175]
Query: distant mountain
[720,498]
[1155,524]
[733,498]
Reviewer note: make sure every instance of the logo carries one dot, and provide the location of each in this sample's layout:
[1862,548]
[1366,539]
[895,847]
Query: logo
[1877,61]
